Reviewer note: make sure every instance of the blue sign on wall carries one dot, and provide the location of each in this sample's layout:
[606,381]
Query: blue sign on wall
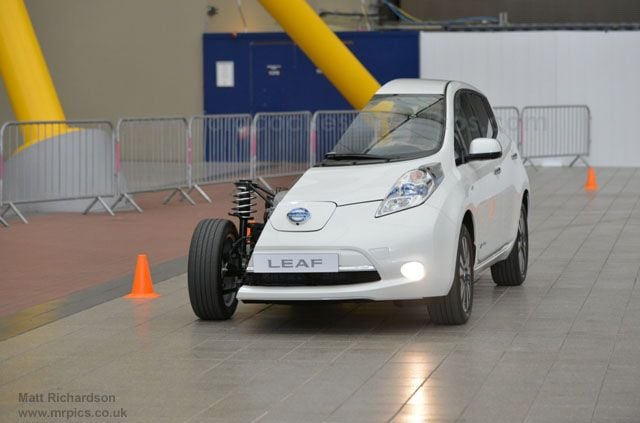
[255,72]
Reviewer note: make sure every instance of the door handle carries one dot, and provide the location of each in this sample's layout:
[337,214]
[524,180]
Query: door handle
[497,171]
[514,156]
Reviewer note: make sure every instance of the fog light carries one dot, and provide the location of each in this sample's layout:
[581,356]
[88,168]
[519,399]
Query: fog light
[414,271]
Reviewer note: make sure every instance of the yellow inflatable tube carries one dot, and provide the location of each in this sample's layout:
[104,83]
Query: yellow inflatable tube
[324,49]
[25,73]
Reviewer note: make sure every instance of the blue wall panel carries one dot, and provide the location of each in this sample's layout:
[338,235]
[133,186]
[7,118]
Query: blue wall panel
[272,74]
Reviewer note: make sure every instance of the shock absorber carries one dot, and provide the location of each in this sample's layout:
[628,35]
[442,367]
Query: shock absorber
[245,206]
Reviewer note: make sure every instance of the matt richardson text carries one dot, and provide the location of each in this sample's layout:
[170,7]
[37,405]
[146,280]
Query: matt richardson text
[65,397]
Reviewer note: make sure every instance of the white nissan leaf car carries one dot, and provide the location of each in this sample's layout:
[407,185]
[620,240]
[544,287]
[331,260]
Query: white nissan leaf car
[421,194]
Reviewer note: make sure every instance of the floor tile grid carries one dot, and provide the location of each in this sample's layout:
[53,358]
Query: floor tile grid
[75,330]
[636,208]
[604,190]
[309,380]
[354,343]
[69,378]
[204,411]
[577,194]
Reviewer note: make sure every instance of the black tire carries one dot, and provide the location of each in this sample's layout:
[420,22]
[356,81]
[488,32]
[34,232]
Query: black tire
[513,270]
[455,307]
[209,291]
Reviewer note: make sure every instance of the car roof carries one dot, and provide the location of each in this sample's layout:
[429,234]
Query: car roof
[417,86]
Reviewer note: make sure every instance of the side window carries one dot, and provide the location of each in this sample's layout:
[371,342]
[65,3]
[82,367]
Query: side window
[482,120]
[492,118]
[473,119]
[466,120]
[486,120]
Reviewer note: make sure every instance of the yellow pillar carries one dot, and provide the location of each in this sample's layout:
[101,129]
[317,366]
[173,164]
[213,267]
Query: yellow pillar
[24,70]
[324,49]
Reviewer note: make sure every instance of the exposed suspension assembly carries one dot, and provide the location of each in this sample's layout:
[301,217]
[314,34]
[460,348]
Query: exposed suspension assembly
[244,200]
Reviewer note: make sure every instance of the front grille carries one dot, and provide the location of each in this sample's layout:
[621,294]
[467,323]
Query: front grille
[310,279]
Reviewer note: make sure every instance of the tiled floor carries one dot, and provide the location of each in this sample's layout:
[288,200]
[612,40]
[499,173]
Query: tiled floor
[564,347]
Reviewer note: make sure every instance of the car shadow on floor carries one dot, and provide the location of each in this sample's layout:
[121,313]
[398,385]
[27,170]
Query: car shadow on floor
[343,318]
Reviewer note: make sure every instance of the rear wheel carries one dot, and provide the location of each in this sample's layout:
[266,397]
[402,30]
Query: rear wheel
[455,307]
[513,270]
[212,289]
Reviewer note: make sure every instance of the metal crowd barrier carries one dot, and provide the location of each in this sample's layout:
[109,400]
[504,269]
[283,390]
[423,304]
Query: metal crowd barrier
[556,131]
[53,161]
[327,126]
[509,122]
[280,143]
[152,155]
[219,149]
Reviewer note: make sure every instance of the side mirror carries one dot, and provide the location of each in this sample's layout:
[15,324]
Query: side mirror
[484,149]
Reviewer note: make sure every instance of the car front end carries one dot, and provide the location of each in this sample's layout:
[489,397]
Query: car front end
[349,247]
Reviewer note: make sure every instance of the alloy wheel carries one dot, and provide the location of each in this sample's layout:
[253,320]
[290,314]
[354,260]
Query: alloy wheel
[229,282]
[522,244]
[465,272]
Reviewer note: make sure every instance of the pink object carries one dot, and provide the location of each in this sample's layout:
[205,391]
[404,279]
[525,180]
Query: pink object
[254,147]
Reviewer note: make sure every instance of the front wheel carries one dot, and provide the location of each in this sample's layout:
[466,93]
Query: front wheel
[513,270]
[455,307]
[212,290]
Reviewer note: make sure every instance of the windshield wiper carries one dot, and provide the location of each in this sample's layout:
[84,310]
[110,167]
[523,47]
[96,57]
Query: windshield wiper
[355,156]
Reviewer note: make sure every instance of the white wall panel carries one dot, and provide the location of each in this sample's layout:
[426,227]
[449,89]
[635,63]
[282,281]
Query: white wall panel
[599,69]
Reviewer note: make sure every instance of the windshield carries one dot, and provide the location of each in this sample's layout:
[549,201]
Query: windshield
[395,127]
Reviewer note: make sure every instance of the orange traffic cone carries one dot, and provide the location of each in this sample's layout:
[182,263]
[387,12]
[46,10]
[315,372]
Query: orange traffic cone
[142,285]
[591,184]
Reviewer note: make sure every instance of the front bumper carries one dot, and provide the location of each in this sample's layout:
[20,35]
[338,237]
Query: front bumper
[364,242]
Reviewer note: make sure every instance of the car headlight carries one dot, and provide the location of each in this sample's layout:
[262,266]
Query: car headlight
[411,189]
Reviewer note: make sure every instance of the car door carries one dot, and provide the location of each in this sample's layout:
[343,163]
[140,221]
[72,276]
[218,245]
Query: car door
[482,177]
[512,197]
[505,168]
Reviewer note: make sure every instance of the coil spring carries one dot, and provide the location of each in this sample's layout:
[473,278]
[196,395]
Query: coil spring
[243,198]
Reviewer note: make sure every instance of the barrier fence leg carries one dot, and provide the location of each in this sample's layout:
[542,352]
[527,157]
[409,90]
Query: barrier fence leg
[132,202]
[127,198]
[265,183]
[95,201]
[115,203]
[188,192]
[525,161]
[170,196]
[182,193]
[582,159]
[186,196]
[201,192]
[12,207]
[4,222]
